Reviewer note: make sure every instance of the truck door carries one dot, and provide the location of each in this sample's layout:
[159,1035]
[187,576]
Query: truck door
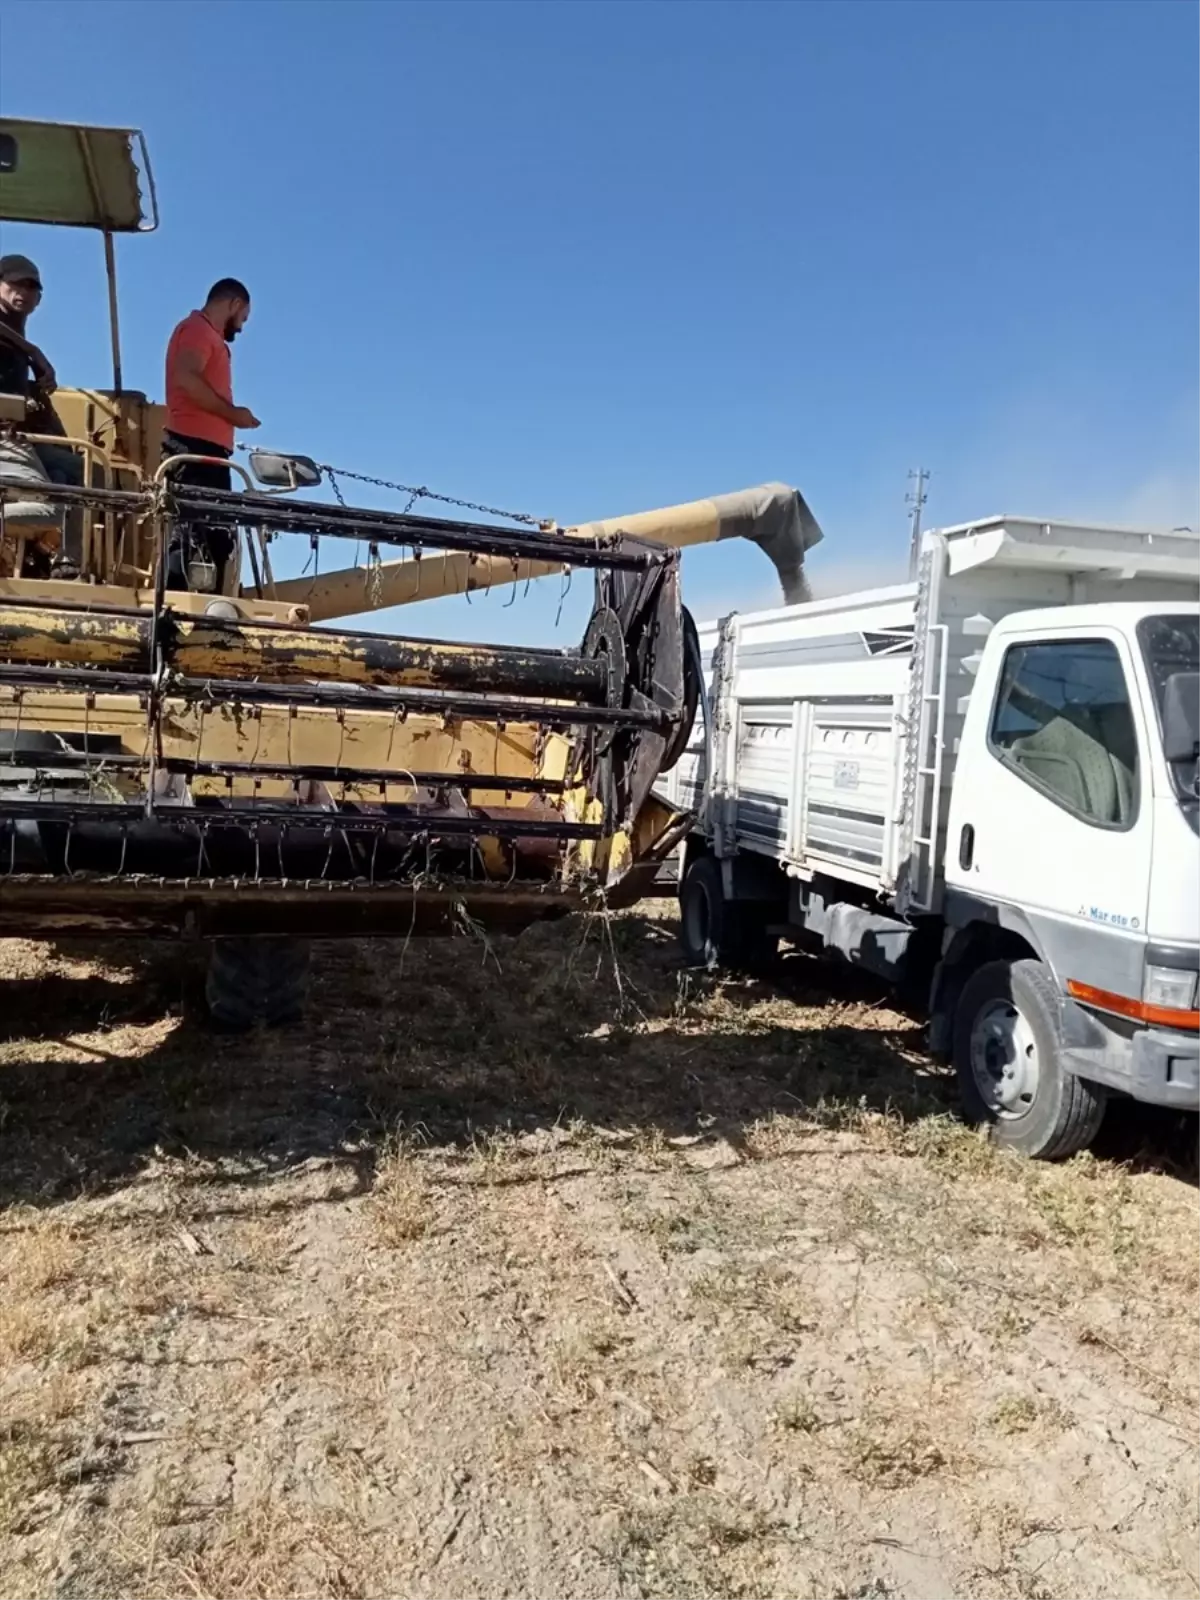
[1050,818]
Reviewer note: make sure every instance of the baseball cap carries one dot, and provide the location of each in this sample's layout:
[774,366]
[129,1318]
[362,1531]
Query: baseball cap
[13,269]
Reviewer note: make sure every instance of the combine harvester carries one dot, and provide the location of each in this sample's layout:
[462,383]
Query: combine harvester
[982,783]
[212,765]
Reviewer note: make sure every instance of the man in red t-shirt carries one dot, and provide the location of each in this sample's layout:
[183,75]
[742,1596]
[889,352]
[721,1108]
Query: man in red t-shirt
[201,418]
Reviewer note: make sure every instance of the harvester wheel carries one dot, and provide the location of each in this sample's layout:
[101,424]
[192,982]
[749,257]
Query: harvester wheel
[256,980]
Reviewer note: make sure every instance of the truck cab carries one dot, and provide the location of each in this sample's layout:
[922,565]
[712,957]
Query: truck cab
[1072,870]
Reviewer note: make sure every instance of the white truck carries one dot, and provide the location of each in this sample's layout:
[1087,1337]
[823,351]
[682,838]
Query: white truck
[983,781]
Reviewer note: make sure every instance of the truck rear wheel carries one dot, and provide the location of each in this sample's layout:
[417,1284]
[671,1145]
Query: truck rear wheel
[1007,1054]
[256,980]
[716,932]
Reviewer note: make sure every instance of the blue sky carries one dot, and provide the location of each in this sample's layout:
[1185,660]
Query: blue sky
[584,259]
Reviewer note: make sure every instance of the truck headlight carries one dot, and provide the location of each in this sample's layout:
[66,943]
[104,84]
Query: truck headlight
[1170,988]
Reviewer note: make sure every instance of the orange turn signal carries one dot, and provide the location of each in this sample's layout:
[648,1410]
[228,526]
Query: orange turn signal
[1123,1006]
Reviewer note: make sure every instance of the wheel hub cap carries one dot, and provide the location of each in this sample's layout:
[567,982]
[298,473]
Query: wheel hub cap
[1004,1059]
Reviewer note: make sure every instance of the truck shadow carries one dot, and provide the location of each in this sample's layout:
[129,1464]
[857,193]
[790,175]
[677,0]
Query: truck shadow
[453,1041]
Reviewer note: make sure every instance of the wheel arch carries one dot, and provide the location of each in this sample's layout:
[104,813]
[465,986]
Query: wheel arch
[694,846]
[979,931]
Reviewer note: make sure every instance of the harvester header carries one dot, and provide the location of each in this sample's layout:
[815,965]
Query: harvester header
[167,752]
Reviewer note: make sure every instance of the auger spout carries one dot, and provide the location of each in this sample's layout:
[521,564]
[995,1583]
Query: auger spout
[773,516]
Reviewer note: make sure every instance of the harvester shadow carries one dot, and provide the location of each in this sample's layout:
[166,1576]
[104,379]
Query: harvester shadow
[56,1006]
[451,1042]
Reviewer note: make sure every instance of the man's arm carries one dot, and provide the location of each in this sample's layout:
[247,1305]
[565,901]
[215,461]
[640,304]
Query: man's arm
[43,372]
[189,375]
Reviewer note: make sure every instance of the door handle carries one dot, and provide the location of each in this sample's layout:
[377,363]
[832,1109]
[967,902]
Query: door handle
[966,847]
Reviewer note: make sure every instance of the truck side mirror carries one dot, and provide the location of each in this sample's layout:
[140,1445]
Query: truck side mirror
[1181,716]
[276,471]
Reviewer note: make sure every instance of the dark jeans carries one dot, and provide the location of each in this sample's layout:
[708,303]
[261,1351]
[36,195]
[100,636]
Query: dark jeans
[63,466]
[213,540]
[61,463]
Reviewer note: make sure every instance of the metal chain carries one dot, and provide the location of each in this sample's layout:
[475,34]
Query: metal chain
[422,493]
[414,493]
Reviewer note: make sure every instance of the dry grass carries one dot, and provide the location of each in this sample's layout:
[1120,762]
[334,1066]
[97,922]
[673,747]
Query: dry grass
[797,1413]
[521,1282]
[32,1458]
[887,1451]
[401,1205]
[1020,1413]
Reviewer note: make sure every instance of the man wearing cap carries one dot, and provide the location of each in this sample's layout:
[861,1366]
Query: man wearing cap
[25,371]
[201,418]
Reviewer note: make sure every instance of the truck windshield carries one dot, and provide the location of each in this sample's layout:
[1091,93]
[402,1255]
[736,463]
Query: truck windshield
[1171,647]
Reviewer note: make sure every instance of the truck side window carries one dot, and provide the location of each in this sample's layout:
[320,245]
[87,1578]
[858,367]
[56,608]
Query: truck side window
[1063,722]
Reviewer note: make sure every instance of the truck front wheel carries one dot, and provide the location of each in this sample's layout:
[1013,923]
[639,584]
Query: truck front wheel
[1008,1057]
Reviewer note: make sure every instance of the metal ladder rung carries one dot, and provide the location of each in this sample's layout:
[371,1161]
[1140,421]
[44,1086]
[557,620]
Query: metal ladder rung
[927,787]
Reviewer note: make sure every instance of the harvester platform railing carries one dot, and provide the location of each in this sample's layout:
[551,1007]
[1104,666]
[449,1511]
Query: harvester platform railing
[277,515]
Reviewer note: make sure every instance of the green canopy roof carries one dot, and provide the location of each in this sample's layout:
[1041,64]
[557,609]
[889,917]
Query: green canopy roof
[81,177]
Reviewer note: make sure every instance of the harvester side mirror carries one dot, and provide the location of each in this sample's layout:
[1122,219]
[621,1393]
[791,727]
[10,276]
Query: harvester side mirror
[275,471]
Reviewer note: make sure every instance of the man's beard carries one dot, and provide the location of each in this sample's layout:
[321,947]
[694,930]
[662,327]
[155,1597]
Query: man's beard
[231,330]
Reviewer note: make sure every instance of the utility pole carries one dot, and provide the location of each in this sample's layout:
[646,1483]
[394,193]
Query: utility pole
[915,501]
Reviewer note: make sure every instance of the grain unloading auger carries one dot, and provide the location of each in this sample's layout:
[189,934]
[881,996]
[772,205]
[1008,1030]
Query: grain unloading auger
[209,763]
[772,516]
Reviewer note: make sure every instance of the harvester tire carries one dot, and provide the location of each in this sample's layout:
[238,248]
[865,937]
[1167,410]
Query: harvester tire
[256,980]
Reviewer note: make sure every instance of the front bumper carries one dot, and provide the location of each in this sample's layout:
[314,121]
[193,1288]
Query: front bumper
[1148,1064]
[1166,1069]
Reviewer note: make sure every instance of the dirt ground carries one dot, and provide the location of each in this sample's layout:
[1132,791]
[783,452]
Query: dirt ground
[547,1268]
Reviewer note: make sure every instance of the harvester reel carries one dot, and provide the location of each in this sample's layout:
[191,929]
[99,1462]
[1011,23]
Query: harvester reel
[222,769]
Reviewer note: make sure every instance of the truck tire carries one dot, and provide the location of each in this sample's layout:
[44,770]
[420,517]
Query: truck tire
[256,980]
[1007,1055]
[716,932]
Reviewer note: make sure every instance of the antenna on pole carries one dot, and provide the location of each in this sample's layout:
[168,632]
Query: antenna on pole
[915,500]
